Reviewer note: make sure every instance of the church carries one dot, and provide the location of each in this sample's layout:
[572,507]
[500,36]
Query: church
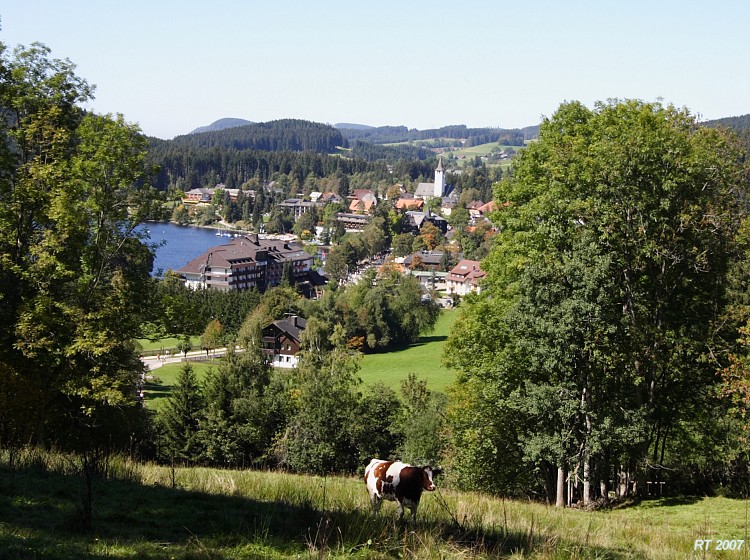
[436,189]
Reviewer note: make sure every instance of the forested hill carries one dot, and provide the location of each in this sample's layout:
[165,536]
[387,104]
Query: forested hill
[289,135]
[740,125]
[473,136]
[222,124]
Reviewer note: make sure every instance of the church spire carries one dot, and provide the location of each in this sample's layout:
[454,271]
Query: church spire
[439,189]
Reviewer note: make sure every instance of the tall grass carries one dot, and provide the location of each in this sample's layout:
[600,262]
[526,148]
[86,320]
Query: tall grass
[150,511]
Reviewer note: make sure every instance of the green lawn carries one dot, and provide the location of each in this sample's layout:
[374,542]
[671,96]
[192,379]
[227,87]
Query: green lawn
[170,343]
[422,358]
[164,378]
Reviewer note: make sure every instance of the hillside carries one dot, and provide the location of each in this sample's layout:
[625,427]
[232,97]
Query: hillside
[468,136]
[282,135]
[221,124]
[144,511]
[739,125]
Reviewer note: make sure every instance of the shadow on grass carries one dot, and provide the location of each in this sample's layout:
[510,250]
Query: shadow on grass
[156,393]
[422,341]
[668,501]
[39,509]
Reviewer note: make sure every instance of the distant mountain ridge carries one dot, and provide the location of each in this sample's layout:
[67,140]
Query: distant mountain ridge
[293,135]
[221,124]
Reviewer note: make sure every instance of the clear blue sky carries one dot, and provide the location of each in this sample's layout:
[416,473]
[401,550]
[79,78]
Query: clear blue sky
[172,66]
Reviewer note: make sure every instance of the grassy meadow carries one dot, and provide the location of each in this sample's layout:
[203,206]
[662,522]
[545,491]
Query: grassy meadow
[422,358]
[152,512]
[159,386]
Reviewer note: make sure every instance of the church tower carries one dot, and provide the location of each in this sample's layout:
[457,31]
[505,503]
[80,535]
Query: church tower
[439,189]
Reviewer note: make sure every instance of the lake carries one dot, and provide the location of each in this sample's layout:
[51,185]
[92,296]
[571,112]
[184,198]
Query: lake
[178,245]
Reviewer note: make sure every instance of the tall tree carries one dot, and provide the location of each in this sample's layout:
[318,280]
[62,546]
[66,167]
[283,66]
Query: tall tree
[179,419]
[603,288]
[73,268]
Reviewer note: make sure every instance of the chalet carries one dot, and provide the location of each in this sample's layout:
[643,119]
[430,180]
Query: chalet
[464,278]
[416,220]
[282,341]
[246,262]
[361,201]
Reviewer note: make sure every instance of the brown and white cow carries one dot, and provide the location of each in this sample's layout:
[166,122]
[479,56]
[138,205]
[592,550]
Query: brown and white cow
[394,480]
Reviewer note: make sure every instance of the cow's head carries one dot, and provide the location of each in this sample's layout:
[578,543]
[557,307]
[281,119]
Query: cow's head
[427,480]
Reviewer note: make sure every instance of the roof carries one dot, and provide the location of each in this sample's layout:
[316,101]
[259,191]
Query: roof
[402,203]
[467,271]
[291,326]
[425,189]
[240,251]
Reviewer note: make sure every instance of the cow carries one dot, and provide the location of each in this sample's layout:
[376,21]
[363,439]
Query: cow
[394,480]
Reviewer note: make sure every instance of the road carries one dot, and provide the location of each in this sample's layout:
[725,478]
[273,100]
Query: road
[155,362]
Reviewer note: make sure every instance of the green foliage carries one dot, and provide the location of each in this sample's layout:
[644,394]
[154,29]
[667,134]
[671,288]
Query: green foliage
[319,437]
[596,319]
[213,335]
[421,422]
[179,418]
[179,310]
[74,272]
[385,313]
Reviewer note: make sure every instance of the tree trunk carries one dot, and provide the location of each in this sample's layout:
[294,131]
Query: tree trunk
[560,498]
[586,481]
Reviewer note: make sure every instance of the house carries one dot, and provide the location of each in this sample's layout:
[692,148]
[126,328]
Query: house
[297,206]
[199,195]
[403,204]
[246,262]
[282,341]
[361,201]
[464,278]
[330,197]
[415,220]
[425,260]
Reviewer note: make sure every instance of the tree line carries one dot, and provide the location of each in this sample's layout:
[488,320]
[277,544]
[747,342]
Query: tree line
[473,136]
[285,135]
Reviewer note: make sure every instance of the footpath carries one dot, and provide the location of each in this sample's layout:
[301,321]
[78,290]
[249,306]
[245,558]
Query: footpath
[155,362]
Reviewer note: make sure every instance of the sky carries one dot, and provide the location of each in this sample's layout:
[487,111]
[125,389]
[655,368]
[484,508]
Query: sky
[174,65]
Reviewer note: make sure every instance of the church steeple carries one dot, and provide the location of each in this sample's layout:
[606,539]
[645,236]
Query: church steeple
[439,189]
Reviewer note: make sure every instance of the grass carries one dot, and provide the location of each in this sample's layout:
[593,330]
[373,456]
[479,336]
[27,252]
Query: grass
[164,378]
[149,347]
[147,511]
[422,358]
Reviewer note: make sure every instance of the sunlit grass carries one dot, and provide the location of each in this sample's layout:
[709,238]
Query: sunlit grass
[149,511]
[422,358]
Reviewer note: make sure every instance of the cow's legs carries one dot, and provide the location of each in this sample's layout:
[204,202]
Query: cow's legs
[376,502]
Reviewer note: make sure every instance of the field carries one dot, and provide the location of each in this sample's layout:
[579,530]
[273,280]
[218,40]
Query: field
[422,358]
[151,348]
[145,511]
[165,377]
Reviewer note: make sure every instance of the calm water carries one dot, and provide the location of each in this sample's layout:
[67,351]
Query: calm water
[181,244]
